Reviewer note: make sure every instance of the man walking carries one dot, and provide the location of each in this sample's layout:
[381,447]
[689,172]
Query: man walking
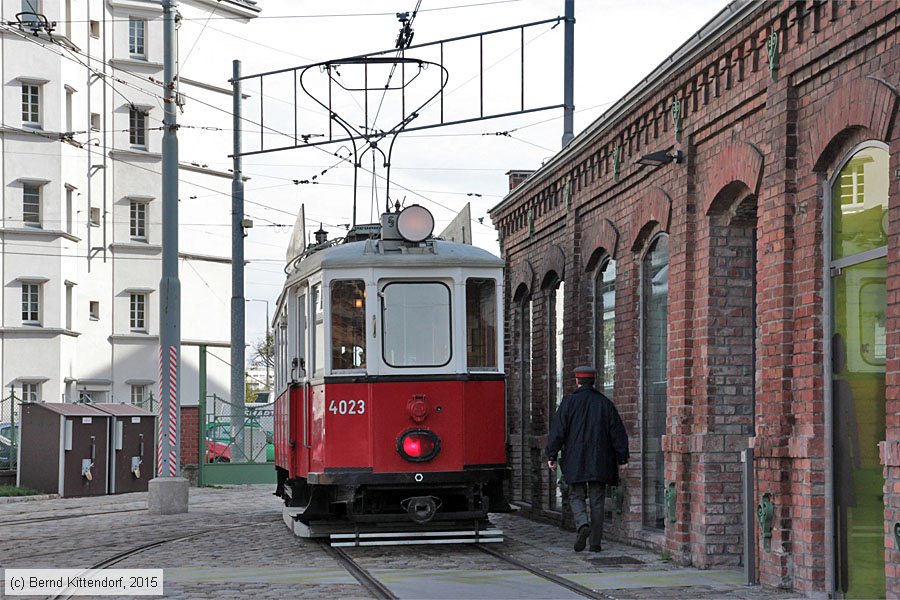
[588,429]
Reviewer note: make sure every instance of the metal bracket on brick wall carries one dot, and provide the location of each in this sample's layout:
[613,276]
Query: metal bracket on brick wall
[670,495]
[676,117]
[615,495]
[772,51]
[765,514]
[616,161]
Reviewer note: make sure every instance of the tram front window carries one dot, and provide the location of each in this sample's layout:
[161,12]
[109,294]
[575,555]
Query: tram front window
[416,324]
[348,325]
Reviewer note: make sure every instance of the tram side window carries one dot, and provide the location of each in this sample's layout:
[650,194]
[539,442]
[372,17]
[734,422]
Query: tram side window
[416,324]
[318,331]
[299,369]
[348,325]
[481,323]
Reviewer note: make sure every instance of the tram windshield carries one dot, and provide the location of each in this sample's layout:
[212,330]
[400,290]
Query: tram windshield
[416,324]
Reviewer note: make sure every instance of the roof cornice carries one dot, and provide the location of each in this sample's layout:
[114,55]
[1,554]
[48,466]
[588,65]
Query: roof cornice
[708,35]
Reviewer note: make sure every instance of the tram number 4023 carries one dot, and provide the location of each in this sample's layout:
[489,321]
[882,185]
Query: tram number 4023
[347,407]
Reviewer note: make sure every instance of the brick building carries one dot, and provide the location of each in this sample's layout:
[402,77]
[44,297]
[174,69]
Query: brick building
[744,293]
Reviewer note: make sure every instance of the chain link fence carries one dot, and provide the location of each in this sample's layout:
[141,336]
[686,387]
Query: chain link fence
[10,415]
[251,440]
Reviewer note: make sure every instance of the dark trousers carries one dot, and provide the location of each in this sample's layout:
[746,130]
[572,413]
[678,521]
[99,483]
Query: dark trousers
[578,494]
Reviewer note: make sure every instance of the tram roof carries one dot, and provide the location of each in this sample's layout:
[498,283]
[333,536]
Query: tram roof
[366,254]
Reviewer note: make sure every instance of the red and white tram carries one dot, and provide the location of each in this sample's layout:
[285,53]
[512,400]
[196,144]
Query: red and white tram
[390,390]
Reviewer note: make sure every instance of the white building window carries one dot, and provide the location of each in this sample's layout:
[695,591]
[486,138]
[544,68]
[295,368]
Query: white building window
[69,94]
[136,29]
[31,205]
[138,312]
[94,307]
[70,208]
[33,7]
[139,394]
[95,216]
[138,220]
[69,287]
[31,104]
[137,127]
[31,303]
[31,392]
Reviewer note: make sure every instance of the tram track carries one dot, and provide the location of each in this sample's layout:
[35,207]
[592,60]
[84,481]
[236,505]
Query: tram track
[117,558]
[381,591]
[570,585]
[360,573]
[65,517]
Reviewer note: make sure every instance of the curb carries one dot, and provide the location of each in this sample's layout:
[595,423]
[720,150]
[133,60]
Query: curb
[11,499]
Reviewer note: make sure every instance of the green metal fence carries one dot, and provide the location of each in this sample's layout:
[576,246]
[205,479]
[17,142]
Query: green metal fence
[239,444]
[10,412]
[148,402]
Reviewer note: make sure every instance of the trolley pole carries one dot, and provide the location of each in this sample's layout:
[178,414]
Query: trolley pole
[169,491]
[569,75]
[237,277]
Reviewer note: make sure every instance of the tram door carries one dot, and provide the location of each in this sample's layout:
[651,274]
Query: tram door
[859,351]
[301,375]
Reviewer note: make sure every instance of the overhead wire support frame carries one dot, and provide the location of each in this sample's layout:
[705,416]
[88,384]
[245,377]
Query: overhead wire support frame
[303,140]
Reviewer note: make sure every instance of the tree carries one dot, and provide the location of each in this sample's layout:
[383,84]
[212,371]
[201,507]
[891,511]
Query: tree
[263,352]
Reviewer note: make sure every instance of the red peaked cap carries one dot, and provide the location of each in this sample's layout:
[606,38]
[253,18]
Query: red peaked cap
[585,373]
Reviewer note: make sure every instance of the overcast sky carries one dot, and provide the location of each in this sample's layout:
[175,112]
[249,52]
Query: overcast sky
[617,43]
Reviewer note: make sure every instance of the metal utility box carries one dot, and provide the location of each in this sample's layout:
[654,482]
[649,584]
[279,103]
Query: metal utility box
[132,435]
[63,449]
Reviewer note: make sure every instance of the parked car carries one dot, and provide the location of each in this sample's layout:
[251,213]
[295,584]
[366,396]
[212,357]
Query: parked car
[7,453]
[219,440]
[8,430]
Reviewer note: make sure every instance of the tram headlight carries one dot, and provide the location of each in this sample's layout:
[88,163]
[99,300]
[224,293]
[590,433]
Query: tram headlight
[415,223]
[418,445]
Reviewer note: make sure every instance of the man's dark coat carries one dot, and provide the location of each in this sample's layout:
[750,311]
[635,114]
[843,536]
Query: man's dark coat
[588,425]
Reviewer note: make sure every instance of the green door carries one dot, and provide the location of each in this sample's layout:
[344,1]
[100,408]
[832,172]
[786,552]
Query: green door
[858,275]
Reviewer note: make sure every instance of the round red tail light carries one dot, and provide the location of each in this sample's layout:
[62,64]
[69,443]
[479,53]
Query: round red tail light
[418,445]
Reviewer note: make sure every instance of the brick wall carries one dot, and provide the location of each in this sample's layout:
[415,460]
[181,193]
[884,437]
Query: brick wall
[745,216]
[189,441]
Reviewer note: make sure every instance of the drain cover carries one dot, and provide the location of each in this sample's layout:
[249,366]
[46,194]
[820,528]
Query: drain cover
[615,560]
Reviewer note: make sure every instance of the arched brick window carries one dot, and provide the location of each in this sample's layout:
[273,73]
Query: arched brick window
[654,341]
[555,290]
[605,325]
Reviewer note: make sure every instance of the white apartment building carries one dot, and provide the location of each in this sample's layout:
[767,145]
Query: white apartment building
[80,183]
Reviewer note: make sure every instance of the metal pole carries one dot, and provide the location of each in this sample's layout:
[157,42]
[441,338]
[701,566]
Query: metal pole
[201,418]
[749,523]
[168,452]
[237,277]
[268,379]
[569,75]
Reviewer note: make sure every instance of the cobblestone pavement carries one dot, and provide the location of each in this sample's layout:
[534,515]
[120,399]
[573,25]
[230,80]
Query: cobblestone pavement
[242,549]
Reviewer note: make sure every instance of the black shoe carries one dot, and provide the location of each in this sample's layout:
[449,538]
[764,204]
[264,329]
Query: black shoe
[596,548]
[583,532]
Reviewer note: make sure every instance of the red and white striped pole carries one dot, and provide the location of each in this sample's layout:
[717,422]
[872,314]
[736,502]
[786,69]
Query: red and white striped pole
[167,446]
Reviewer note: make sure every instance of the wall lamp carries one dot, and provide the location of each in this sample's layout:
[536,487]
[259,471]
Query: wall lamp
[657,159]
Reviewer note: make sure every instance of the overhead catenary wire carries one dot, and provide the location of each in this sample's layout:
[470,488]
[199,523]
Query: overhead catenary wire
[104,75]
[324,15]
